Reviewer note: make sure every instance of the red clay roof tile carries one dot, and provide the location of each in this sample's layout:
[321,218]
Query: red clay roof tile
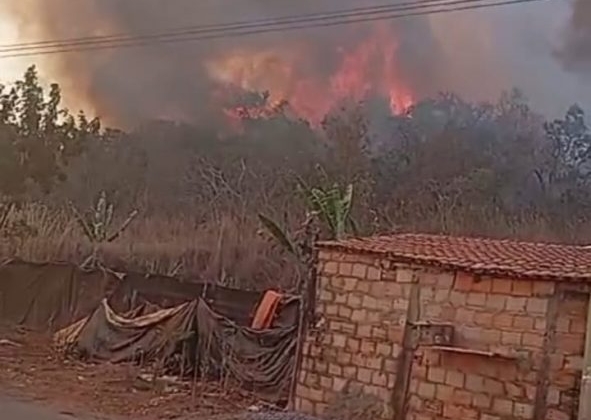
[484,256]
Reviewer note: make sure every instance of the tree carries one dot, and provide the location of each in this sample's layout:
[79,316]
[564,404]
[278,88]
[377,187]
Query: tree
[37,136]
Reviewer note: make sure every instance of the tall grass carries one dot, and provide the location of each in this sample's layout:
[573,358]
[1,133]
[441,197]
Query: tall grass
[229,250]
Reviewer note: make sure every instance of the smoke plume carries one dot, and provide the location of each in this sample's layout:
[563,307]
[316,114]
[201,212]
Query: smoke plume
[576,51]
[476,54]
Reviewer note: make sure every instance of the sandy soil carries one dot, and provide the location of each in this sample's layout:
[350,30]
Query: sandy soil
[30,368]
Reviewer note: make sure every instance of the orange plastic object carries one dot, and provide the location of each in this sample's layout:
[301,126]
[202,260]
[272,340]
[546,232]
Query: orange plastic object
[266,310]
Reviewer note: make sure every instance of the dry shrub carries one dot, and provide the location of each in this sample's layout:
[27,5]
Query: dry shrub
[229,250]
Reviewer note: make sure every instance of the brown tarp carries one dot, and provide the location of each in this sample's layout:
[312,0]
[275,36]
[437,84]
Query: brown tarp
[259,360]
[107,336]
[42,296]
[53,295]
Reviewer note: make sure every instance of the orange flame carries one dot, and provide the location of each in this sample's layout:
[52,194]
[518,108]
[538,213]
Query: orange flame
[287,74]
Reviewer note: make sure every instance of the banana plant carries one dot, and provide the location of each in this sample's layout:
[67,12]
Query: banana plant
[332,205]
[5,211]
[97,225]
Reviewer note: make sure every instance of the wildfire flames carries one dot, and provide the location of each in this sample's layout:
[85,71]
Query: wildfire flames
[292,75]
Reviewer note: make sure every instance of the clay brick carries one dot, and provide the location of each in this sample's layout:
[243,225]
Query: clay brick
[343,358]
[573,363]
[462,397]
[432,407]
[364,375]
[363,286]
[483,319]
[426,390]
[436,375]
[307,406]
[503,407]
[392,289]
[554,414]
[444,392]
[349,284]
[350,372]
[553,396]
[453,411]
[368,347]
[345,269]
[326,382]
[457,299]
[502,286]
[455,378]
[465,315]
[359,271]
[463,281]
[521,288]
[331,267]
[316,395]
[475,383]
[483,285]
[482,401]
[324,255]
[379,379]
[370,302]
[532,340]
[384,349]
[426,294]
[516,304]
[379,333]
[433,311]
[445,280]
[374,273]
[341,298]
[359,315]
[523,322]
[441,295]
[537,305]
[514,391]
[339,340]
[325,296]
[543,288]
[332,310]
[345,311]
[577,326]
[405,275]
[489,417]
[523,410]
[491,336]
[493,387]
[540,324]
[511,338]
[496,302]
[503,320]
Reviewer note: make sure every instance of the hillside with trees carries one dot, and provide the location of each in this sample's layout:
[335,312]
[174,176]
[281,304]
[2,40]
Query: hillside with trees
[447,165]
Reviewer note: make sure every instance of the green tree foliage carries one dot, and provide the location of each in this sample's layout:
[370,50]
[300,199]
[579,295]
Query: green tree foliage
[37,136]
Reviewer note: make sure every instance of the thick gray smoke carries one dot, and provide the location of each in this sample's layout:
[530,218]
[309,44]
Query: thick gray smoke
[576,51]
[476,54]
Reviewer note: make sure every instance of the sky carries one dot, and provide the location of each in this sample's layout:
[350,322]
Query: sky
[481,52]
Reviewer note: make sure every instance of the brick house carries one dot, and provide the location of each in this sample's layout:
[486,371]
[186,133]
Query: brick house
[436,327]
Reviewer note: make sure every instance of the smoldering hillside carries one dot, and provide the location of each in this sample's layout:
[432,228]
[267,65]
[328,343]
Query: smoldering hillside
[476,54]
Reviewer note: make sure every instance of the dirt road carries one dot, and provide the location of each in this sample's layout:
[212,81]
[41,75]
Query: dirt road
[13,409]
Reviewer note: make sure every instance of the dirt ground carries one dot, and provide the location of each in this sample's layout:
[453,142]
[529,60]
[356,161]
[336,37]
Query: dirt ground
[30,368]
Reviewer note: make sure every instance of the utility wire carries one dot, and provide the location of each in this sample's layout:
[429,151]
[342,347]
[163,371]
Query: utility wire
[210,32]
[245,24]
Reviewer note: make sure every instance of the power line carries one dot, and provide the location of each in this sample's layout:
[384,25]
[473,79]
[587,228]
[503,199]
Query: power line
[210,32]
[245,24]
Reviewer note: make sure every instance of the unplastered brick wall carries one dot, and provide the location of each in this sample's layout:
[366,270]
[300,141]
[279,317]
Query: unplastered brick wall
[510,336]
[517,349]
[363,309]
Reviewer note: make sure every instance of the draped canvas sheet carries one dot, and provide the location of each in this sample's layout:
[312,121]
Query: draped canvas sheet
[259,360]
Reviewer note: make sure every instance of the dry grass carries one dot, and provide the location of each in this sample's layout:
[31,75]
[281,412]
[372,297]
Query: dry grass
[229,250]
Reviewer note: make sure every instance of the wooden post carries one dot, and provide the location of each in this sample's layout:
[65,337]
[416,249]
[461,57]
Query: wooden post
[585,392]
